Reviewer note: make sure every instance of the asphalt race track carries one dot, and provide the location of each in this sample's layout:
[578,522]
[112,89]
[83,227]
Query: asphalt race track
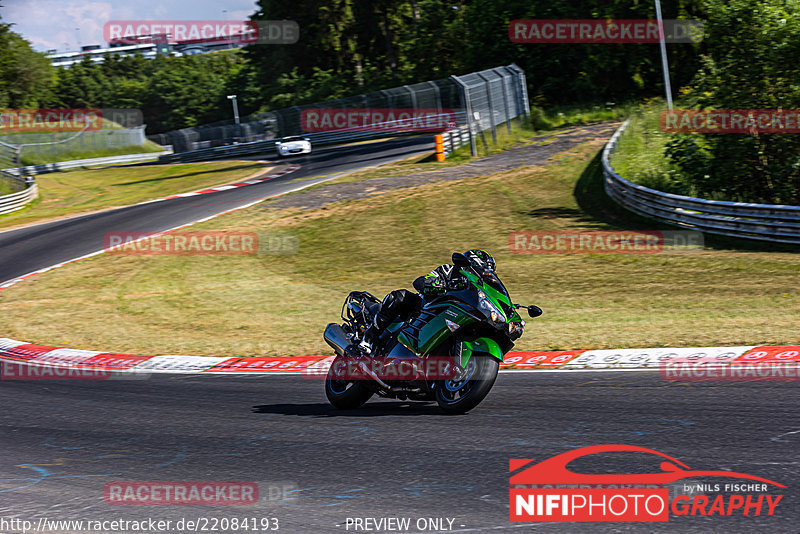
[63,441]
[36,247]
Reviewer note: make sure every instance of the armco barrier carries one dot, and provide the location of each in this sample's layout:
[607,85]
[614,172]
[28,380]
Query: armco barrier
[620,359]
[763,222]
[75,163]
[17,201]
[455,138]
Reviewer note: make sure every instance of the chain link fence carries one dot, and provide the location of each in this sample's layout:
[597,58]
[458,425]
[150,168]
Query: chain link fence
[56,146]
[17,185]
[480,101]
[16,190]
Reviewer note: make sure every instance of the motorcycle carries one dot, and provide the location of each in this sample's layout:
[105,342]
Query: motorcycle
[450,351]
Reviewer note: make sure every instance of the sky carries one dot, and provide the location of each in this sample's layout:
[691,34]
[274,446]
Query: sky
[51,24]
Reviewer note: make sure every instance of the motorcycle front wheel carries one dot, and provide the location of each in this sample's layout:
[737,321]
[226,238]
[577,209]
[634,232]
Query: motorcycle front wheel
[464,392]
[345,394]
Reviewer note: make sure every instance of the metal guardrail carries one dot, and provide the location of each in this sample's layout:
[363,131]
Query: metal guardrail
[75,163]
[455,138]
[763,222]
[17,201]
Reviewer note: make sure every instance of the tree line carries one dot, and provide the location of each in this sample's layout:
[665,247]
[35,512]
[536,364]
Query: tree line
[352,46]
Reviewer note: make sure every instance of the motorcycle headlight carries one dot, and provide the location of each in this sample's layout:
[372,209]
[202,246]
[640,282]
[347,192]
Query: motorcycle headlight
[495,314]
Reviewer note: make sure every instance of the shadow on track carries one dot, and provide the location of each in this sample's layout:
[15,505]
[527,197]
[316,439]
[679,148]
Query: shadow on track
[376,409]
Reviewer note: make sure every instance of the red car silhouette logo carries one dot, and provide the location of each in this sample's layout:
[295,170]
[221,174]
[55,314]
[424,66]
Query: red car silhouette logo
[554,470]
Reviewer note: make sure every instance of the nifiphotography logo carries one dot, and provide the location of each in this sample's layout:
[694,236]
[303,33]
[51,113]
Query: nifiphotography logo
[549,491]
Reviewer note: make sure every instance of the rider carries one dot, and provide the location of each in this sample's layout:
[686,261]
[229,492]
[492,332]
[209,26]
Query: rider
[402,304]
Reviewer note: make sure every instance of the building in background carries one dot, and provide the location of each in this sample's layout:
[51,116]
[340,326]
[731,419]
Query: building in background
[148,46]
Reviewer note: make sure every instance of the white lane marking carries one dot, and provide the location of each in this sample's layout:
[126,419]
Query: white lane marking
[778,438]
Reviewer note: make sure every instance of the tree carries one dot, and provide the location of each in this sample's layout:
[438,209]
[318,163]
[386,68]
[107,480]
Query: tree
[25,75]
[753,47]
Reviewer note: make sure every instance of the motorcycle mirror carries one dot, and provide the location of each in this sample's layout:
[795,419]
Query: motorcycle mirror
[460,260]
[535,311]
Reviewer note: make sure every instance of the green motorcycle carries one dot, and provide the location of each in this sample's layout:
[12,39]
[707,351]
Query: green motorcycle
[449,352]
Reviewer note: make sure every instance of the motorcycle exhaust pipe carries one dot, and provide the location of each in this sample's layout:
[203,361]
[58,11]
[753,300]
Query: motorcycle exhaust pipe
[336,337]
[373,376]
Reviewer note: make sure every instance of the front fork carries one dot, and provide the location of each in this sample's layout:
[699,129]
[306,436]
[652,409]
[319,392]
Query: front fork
[464,350]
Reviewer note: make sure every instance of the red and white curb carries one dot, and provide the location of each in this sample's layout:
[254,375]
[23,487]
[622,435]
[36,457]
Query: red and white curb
[286,170]
[21,352]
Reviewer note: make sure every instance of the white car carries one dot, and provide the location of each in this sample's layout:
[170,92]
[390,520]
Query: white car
[289,146]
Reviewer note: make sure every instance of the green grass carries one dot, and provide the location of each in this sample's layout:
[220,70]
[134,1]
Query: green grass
[85,190]
[726,294]
[639,156]
[5,188]
[537,123]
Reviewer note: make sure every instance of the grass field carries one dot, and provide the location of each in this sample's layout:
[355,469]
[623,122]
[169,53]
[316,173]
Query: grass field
[639,156]
[5,188]
[727,294]
[82,191]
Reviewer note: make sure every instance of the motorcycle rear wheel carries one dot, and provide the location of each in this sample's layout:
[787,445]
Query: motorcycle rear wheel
[460,396]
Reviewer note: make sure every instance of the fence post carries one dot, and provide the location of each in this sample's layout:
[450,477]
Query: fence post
[413,96]
[465,96]
[438,97]
[491,105]
[520,88]
[388,96]
[505,99]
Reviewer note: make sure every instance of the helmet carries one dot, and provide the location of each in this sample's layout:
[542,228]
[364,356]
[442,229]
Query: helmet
[481,261]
